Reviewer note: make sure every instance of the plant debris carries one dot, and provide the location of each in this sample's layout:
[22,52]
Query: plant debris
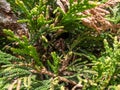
[9,20]
[97,18]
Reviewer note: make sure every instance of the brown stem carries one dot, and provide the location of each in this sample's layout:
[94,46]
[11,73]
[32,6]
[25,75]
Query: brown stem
[46,72]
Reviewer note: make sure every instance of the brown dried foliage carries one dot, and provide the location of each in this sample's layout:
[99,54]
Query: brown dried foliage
[97,19]
[96,16]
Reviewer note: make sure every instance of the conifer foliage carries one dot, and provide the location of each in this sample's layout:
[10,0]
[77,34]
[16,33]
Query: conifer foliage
[59,45]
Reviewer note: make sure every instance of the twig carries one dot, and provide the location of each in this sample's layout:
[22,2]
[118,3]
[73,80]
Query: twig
[18,84]
[65,62]
[46,72]
[12,85]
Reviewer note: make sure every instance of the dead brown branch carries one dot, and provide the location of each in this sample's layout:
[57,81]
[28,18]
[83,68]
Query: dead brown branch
[46,72]
[97,20]
[60,78]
